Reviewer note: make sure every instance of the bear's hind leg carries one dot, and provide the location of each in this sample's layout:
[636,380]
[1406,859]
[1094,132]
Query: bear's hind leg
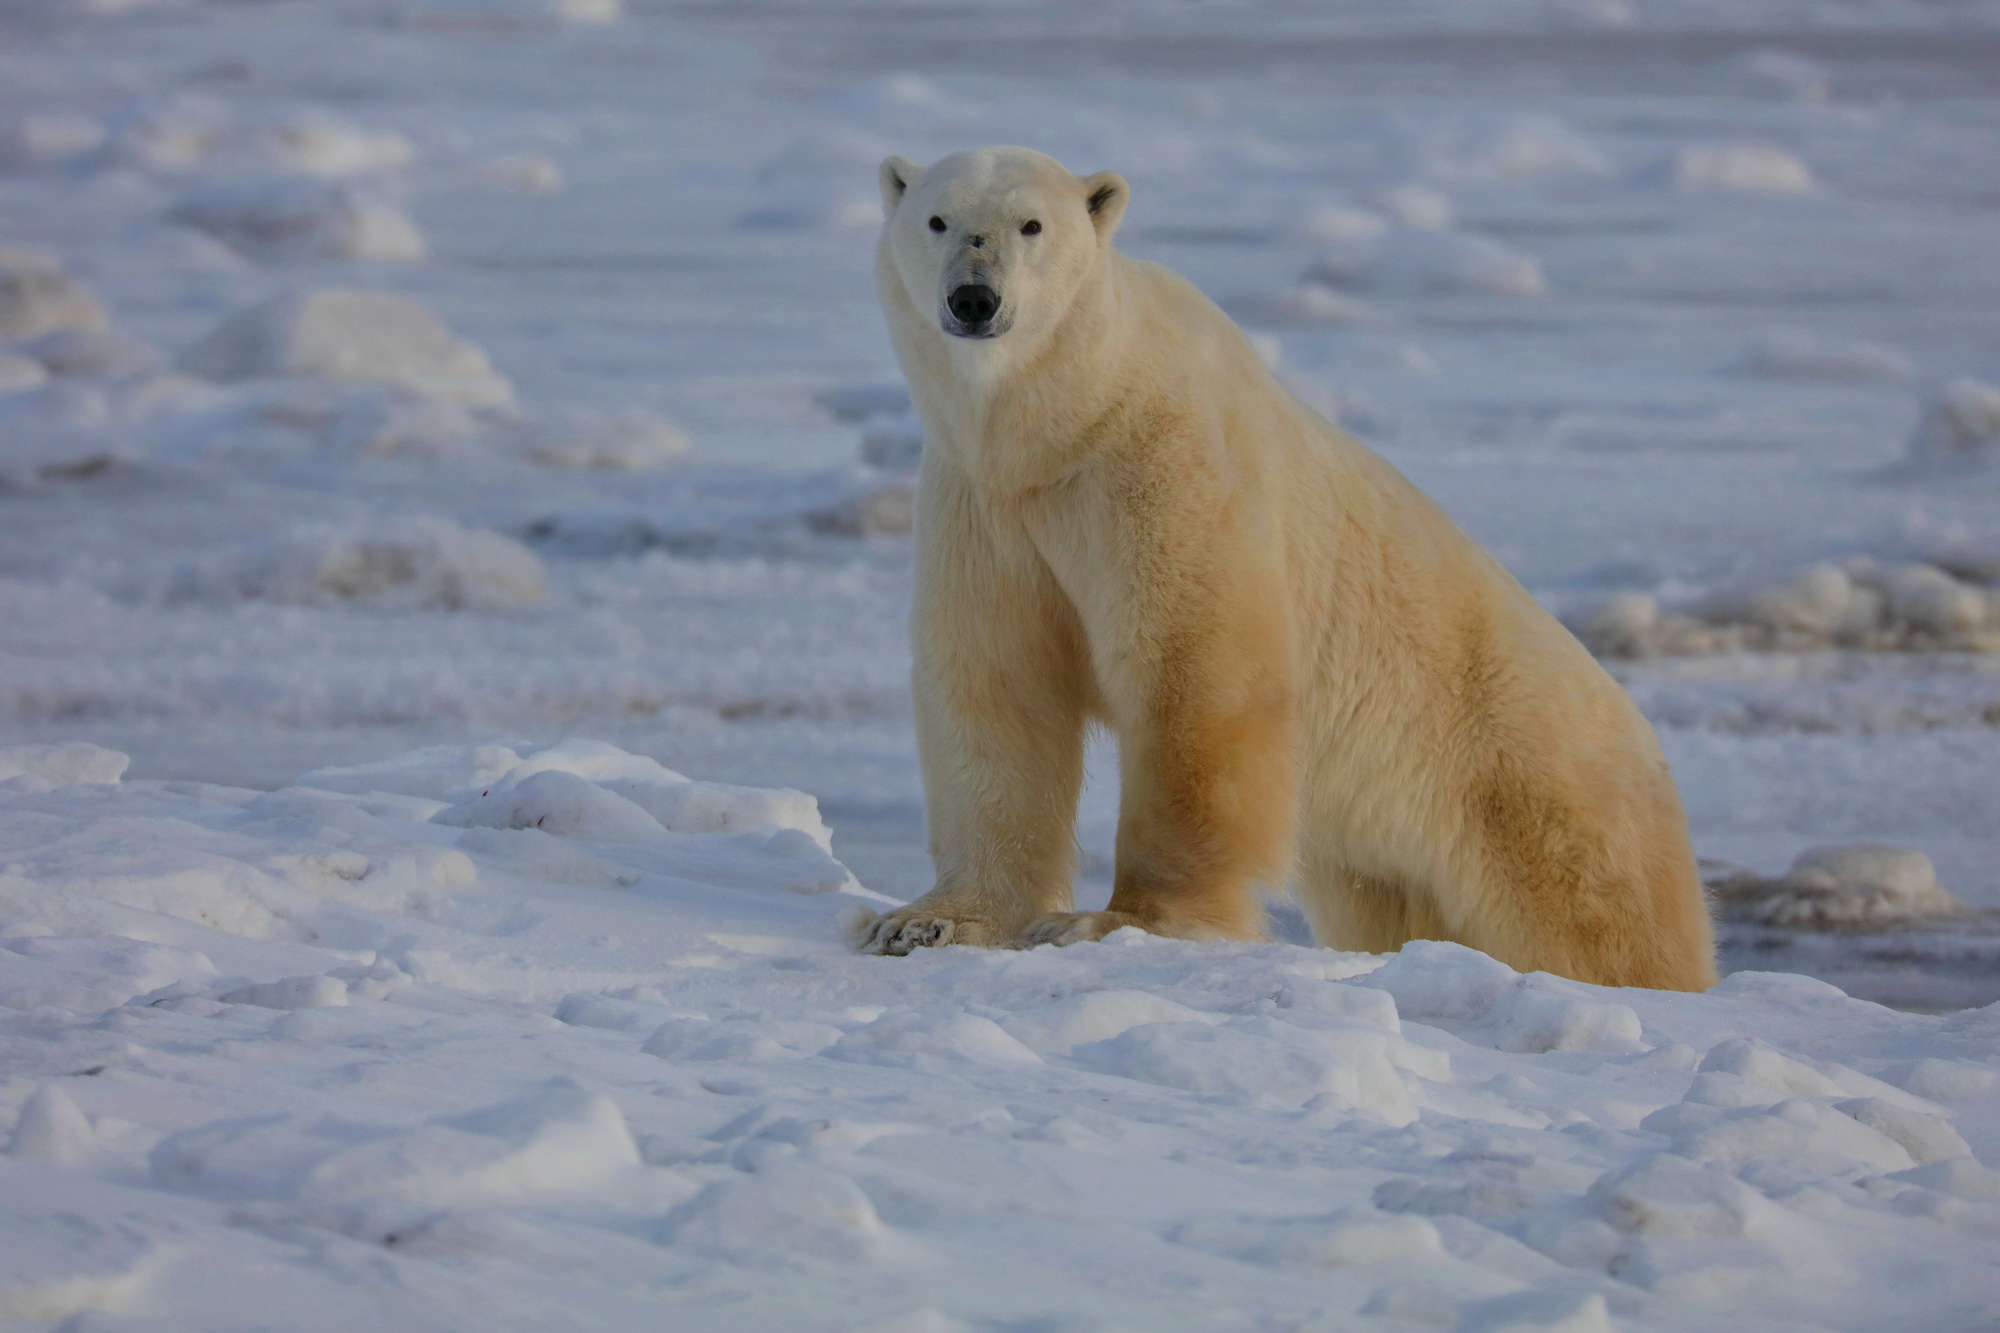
[1365,913]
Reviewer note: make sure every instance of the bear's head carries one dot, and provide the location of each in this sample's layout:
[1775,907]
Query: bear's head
[995,243]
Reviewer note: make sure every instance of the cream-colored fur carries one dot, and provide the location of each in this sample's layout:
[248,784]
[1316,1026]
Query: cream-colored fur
[1313,675]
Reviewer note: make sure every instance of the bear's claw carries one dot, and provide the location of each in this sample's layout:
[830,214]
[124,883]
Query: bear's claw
[896,934]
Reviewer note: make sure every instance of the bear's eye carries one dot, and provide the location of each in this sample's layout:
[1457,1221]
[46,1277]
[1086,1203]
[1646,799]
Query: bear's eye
[937,224]
[1031,228]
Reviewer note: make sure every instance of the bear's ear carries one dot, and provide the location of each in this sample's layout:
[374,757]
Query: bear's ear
[1106,195]
[897,173]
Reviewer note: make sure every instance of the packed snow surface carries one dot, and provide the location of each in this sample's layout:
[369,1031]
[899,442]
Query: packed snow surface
[390,389]
[508,1036]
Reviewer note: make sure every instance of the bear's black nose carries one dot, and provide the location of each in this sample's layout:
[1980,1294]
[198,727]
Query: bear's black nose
[973,304]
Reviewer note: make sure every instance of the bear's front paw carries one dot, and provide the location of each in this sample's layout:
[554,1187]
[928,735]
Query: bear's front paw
[918,927]
[1073,928]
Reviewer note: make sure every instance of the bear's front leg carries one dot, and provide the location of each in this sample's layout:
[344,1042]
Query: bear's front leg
[1001,691]
[1190,627]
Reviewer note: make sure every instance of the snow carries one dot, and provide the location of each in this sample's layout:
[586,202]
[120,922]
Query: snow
[37,296]
[1838,886]
[285,217]
[296,1038]
[554,403]
[1752,168]
[350,336]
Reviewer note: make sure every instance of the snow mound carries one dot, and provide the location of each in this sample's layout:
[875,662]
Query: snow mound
[1418,207]
[18,373]
[1434,262]
[557,803]
[455,773]
[64,762]
[527,173]
[591,791]
[37,296]
[1960,427]
[354,1027]
[350,336]
[556,1140]
[888,510]
[286,217]
[170,135]
[1830,887]
[322,145]
[613,442]
[474,14]
[1859,602]
[1535,146]
[48,138]
[1489,1003]
[795,1209]
[1746,168]
[1337,223]
[1792,354]
[893,442]
[90,353]
[424,562]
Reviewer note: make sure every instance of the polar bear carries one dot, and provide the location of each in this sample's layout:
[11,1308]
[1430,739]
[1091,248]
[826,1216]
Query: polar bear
[1315,678]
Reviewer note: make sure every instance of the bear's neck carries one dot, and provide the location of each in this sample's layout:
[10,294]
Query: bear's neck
[1014,418]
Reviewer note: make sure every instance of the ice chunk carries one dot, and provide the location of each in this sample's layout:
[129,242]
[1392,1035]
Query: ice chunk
[1752,168]
[887,510]
[170,134]
[48,137]
[90,352]
[1960,425]
[908,1039]
[18,373]
[1797,354]
[557,1139]
[292,218]
[539,855]
[1418,206]
[1263,1062]
[436,772]
[1961,1177]
[1340,222]
[1351,1238]
[1443,262]
[529,173]
[350,336]
[557,803]
[1927,1138]
[1842,886]
[1538,145]
[421,562]
[324,145]
[1790,74]
[65,1263]
[63,761]
[53,1130]
[1432,979]
[1672,1197]
[308,992]
[1537,1311]
[718,807]
[615,442]
[892,441]
[1535,1019]
[790,1209]
[1058,1028]
[37,296]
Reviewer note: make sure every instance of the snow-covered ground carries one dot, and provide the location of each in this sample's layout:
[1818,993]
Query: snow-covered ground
[1689,310]
[507,1037]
